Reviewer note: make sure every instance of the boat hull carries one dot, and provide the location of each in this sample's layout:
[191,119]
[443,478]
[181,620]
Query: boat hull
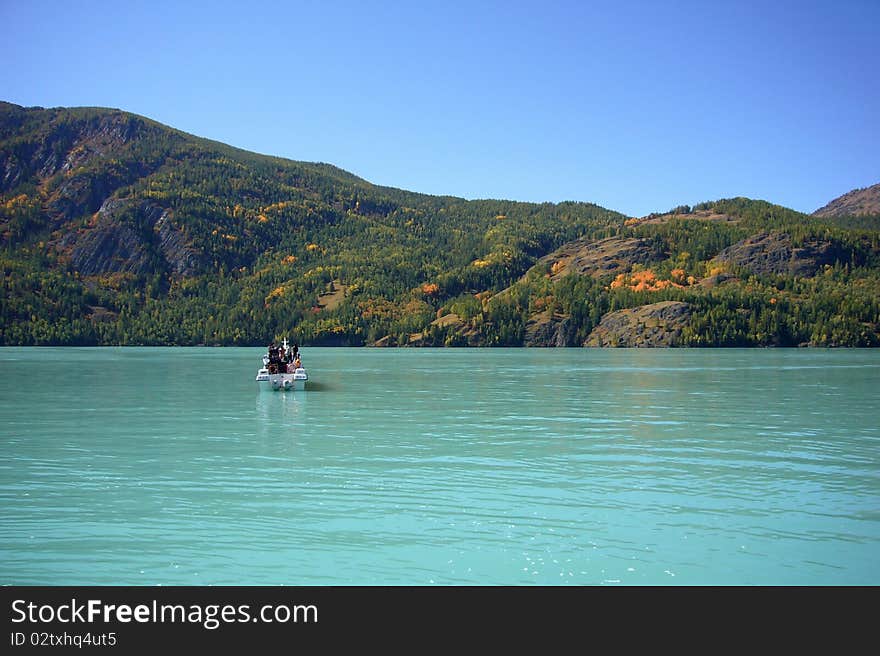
[283,382]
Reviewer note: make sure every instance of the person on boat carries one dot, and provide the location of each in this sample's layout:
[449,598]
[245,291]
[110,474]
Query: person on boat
[295,351]
[274,360]
[297,363]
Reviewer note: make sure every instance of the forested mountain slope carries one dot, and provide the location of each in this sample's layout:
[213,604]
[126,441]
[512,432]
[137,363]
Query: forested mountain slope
[118,230]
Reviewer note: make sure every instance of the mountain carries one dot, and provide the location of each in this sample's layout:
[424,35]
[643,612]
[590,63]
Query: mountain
[116,229]
[858,202]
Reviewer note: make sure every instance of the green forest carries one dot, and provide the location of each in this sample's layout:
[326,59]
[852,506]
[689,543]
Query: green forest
[117,230]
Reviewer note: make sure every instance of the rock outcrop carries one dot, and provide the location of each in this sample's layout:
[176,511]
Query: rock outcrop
[80,195]
[11,172]
[126,238]
[66,147]
[109,248]
[715,280]
[710,216]
[549,329]
[182,258]
[655,325]
[774,253]
[589,257]
[856,202]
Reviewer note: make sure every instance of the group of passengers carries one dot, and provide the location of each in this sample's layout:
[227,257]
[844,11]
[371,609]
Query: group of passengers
[284,361]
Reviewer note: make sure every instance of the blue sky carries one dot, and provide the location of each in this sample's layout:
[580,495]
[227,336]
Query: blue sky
[636,106]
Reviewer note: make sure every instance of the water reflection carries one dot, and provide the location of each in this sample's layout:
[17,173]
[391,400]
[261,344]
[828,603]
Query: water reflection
[275,407]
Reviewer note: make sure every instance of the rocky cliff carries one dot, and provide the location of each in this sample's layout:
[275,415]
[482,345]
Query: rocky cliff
[549,328]
[775,253]
[78,161]
[657,324]
[130,237]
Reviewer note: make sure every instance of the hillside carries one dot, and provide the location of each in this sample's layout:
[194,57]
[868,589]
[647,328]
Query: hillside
[858,202]
[733,272]
[118,230]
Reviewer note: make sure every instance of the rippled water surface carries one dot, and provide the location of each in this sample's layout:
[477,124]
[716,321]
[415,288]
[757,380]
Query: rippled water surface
[522,466]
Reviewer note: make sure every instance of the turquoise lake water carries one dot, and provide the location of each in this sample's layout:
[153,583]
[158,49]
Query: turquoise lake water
[457,466]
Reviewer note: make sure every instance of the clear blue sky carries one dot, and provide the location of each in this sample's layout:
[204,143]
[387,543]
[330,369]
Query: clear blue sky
[637,106]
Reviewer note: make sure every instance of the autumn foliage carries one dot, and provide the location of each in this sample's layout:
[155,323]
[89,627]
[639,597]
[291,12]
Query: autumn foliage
[647,281]
[278,292]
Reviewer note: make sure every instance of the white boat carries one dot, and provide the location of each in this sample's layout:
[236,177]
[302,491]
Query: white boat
[282,370]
